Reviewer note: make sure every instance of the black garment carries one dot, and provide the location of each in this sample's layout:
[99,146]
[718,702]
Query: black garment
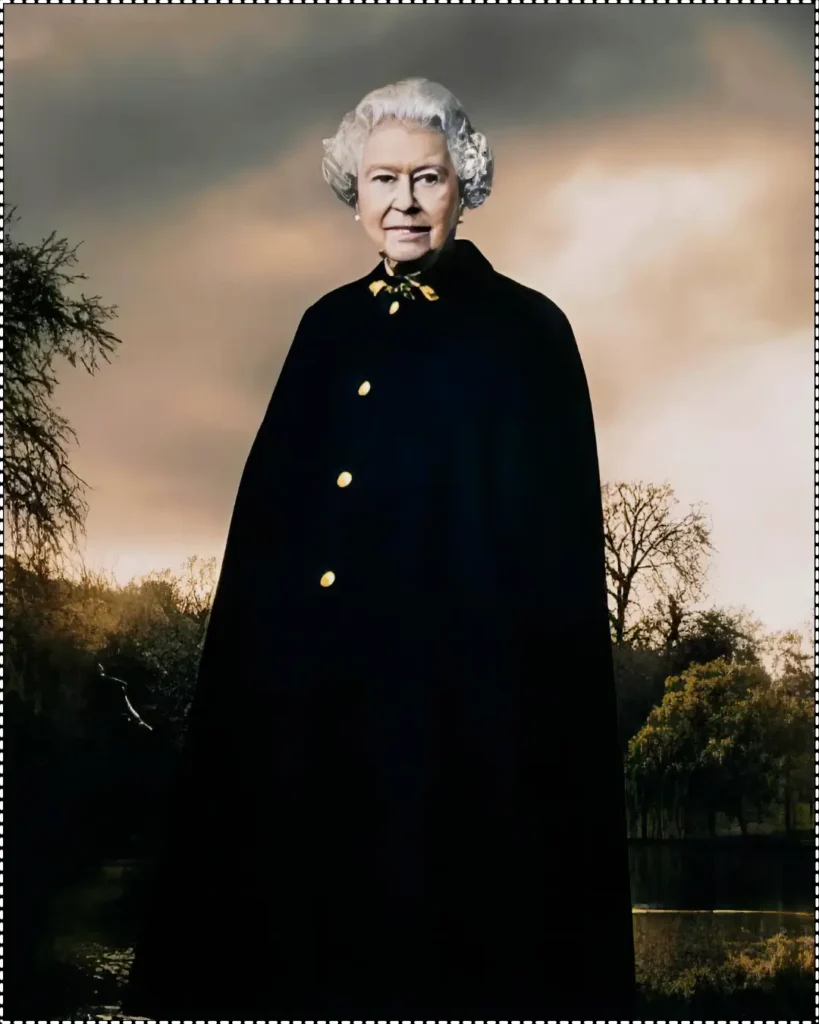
[402,793]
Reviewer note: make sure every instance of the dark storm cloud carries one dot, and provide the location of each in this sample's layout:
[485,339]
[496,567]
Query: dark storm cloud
[119,128]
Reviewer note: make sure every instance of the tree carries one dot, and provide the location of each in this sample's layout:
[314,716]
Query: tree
[688,755]
[156,646]
[791,662]
[662,647]
[793,724]
[725,738]
[71,641]
[717,633]
[697,638]
[44,499]
[650,551]
[640,675]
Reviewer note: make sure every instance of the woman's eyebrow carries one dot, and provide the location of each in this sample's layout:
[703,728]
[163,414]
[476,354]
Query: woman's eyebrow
[397,170]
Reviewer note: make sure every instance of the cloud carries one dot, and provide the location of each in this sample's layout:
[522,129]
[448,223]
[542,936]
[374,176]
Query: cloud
[736,435]
[672,237]
[112,112]
[209,302]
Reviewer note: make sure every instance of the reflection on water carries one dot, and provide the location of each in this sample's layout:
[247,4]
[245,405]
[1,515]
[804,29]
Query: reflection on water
[728,875]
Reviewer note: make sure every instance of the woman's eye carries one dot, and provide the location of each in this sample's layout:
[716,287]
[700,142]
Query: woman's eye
[383,177]
[430,179]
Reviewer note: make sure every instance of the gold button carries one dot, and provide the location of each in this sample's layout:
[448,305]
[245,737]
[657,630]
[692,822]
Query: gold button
[344,478]
[364,388]
[328,579]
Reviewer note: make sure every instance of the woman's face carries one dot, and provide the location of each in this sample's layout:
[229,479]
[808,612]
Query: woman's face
[408,196]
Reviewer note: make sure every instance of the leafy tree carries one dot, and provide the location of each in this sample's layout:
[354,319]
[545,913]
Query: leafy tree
[71,640]
[685,636]
[790,750]
[45,665]
[44,499]
[642,666]
[792,655]
[640,675]
[792,661]
[650,551]
[155,648]
[699,637]
[725,738]
[713,634]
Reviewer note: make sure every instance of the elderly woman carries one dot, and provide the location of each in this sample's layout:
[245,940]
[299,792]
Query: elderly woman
[402,792]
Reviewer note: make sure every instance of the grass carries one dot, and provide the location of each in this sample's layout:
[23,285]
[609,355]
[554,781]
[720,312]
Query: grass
[688,965]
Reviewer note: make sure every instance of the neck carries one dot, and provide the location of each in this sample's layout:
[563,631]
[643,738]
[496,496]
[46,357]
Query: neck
[424,262]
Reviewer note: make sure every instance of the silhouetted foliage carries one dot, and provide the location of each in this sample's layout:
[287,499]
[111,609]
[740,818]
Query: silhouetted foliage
[660,650]
[44,498]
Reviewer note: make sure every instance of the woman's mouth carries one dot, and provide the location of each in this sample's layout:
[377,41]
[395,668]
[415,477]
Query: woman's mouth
[408,232]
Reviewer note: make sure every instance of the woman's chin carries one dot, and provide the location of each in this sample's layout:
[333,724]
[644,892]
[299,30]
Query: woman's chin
[409,249]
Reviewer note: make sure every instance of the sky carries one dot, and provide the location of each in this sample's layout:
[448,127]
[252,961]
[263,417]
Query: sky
[653,177]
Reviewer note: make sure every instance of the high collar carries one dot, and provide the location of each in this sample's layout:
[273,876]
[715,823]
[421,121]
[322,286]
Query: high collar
[454,269]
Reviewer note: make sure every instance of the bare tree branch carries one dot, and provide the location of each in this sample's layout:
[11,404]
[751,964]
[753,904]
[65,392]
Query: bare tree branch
[651,551]
[44,499]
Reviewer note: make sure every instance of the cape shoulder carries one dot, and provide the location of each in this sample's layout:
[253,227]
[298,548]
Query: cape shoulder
[541,313]
[546,332]
[333,302]
[547,341]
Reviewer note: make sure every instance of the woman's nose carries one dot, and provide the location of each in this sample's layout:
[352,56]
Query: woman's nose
[405,199]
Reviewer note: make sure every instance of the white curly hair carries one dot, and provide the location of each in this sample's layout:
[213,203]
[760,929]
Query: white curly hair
[422,102]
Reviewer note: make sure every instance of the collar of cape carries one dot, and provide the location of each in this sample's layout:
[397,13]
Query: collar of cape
[456,269]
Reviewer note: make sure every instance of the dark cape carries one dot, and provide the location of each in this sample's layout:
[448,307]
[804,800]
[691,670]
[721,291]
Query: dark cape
[402,793]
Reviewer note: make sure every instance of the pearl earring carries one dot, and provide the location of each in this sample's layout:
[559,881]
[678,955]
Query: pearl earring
[357,217]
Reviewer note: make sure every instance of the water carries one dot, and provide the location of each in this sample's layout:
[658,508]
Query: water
[723,875]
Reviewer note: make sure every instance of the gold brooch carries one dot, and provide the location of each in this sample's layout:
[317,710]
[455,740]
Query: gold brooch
[407,287]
